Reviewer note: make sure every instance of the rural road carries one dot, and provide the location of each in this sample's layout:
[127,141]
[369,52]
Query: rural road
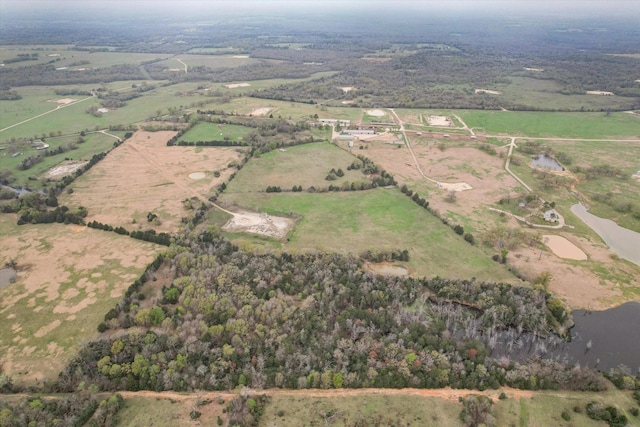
[406,140]
[185,65]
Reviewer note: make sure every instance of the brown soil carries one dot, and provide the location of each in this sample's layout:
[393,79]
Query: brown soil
[144,175]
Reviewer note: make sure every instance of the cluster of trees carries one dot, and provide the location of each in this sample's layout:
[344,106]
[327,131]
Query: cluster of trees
[33,208]
[147,235]
[232,318]
[107,227]
[211,143]
[22,57]
[273,189]
[9,95]
[46,74]
[77,409]
[385,256]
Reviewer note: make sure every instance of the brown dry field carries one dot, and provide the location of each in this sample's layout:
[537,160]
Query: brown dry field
[69,276]
[145,175]
[573,281]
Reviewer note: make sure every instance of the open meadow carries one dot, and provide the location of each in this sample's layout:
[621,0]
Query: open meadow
[145,175]
[380,219]
[68,277]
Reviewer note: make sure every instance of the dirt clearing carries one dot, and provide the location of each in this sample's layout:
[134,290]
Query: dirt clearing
[441,121]
[488,91]
[376,113]
[145,175]
[237,85]
[68,167]
[65,101]
[261,111]
[258,223]
[563,247]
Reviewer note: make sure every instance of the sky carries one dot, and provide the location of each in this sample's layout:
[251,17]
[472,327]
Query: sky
[595,8]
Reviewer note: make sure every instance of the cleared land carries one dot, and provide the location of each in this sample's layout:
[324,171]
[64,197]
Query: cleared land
[68,278]
[215,132]
[144,175]
[380,219]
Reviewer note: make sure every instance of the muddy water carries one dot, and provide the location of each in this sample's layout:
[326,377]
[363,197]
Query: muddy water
[601,340]
[624,242]
[544,161]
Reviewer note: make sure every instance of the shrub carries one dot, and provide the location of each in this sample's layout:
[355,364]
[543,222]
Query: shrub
[565,416]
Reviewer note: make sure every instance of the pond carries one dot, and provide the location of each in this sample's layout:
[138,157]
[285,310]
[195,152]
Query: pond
[545,161]
[601,340]
[622,241]
[19,191]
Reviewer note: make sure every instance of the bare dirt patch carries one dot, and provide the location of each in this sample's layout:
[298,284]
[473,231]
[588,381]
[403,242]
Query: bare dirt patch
[441,121]
[197,175]
[65,101]
[261,111]
[258,223]
[563,247]
[237,85]
[347,89]
[488,91]
[599,92]
[68,167]
[144,175]
[376,113]
[387,269]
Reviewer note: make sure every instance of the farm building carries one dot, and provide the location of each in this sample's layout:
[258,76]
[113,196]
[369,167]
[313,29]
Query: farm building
[550,216]
[359,131]
[333,122]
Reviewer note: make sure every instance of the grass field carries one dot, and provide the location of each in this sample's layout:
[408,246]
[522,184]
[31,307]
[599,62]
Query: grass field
[210,61]
[212,131]
[380,407]
[545,125]
[68,277]
[94,143]
[305,165]
[352,222]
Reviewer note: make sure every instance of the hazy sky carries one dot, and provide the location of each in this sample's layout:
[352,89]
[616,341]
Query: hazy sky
[593,6]
[625,8]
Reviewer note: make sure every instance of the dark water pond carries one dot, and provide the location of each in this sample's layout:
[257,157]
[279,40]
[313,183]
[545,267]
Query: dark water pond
[7,277]
[600,339]
[624,242]
[19,191]
[545,161]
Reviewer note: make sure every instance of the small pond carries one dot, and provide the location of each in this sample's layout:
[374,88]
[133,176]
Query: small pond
[7,277]
[545,161]
[601,340]
[624,242]
[19,191]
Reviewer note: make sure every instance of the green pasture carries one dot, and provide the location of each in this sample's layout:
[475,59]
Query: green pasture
[217,51]
[95,143]
[539,93]
[293,110]
[303,165]
[212,131]
[380,219]
[557,124]
[365,409]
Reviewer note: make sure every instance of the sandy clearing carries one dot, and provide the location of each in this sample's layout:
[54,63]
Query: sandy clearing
[103,110]
[347,89]
[65,101]
[376,113]
[258,223]
[488,91]
[261,111]
[145,175]
[236,85]
[563,247]
[240,56]
[599,92]
[197,175]
[68,167]
[387,269]
[47,328]
[441,121]
[348,102]
[456,186]
[539,70]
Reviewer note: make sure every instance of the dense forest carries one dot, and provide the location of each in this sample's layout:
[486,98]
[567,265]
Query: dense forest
[207,315]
